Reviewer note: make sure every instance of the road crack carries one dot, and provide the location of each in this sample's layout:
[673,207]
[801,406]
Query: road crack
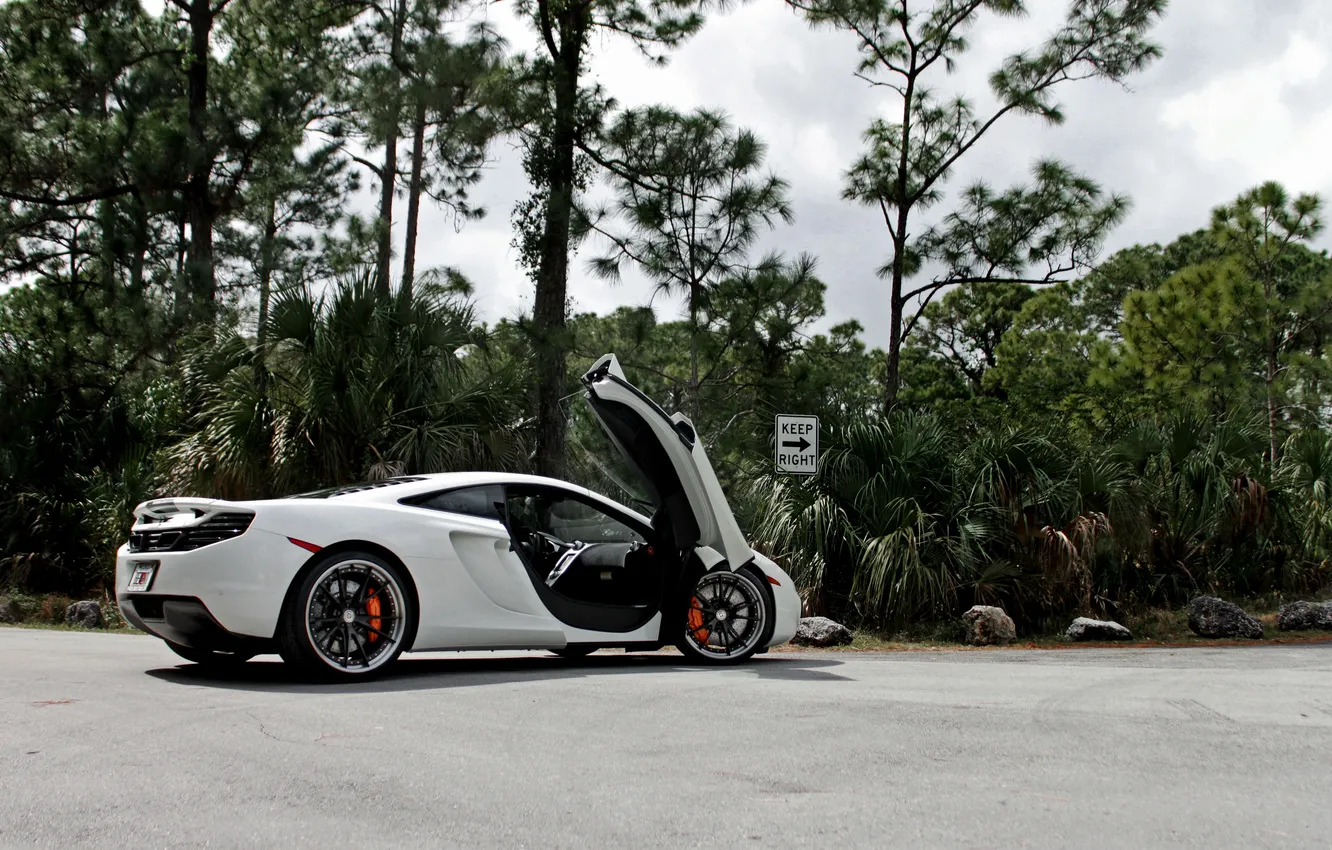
[262,730]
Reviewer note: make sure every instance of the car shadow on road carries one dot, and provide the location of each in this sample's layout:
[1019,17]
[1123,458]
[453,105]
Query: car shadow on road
[411,674]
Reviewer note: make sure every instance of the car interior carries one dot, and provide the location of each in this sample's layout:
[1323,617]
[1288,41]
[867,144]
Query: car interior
[580,551]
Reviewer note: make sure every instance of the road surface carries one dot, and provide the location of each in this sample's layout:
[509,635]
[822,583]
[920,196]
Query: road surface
[112,741]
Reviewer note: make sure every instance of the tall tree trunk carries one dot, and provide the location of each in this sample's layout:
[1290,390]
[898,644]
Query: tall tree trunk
[1272,415]
[180,293]
[1272,364]
[106,223]
[266,261]
[389,180]
[385,252]
[198,205]
[896,306]
[107,259]
[74,253]
[139,251]
[549,310]
[138,256]
[1316,354]
[693,357]
[414,201]
[182,248]
[892,380]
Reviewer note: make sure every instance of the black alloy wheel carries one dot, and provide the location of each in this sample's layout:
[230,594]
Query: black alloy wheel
[726,619]
[348,619]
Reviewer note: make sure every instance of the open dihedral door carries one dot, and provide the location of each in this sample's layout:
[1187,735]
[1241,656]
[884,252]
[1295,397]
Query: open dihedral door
[667,455]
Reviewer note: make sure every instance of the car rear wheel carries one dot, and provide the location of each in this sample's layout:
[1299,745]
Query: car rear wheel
[348,618]
[727,618]
[208,657]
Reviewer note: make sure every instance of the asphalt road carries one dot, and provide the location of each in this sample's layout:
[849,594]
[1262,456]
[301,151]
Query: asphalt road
[110,740]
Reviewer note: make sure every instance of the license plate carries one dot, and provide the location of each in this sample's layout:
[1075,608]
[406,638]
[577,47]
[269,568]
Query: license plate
[141,575]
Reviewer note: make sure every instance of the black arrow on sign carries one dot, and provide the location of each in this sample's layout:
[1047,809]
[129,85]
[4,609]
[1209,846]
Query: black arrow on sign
[792,444]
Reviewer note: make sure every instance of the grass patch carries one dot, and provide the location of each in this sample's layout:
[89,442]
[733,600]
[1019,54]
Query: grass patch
[48,612]
[123,629]
[1151,627]
[875,643]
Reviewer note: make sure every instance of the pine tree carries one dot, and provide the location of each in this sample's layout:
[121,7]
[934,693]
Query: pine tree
[1036,233]
[562,116]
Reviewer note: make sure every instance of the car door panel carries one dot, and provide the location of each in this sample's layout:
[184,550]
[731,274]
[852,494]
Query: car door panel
[473,589]
[666,453]
[456,613]
[489,558]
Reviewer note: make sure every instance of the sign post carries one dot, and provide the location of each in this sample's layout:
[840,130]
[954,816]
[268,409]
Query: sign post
[796,444]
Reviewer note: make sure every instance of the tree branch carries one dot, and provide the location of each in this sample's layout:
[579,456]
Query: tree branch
[906,331]
[880,83]
[72,200]
[961,281]
[544,24]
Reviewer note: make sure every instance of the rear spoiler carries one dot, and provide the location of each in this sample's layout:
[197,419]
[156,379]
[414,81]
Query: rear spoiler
[157,511]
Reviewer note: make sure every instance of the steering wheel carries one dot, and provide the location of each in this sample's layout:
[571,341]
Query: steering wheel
[550,543]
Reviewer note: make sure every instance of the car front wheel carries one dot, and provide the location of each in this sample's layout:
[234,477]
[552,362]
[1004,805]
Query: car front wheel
[348,618]
[727,618]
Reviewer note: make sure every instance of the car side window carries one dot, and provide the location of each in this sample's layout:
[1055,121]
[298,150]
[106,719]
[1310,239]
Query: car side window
[568,518]
[472,501]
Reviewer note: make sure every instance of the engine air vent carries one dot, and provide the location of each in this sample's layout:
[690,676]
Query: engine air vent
[215,529]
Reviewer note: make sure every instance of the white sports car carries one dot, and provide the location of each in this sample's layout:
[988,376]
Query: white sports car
[341,582]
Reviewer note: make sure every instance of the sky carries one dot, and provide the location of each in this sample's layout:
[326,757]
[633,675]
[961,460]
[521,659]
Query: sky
[1242,94]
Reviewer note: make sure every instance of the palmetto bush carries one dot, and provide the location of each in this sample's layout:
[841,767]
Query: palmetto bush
[880,532]
[1305,478]
[908,519]
[1052,511]
[351,385]
[1205,519]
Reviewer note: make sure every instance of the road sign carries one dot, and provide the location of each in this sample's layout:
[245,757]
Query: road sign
[797,444]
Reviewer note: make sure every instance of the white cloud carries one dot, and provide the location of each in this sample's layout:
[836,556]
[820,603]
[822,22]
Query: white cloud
[824,160]
[1246,119]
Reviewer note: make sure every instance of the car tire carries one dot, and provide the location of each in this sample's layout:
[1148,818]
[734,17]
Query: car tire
[209,658]
[348,617]
[771,627]
[722,596]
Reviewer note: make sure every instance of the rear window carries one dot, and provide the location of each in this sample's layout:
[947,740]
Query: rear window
[473,501]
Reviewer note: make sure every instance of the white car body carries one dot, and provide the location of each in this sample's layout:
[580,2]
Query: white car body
[472,588]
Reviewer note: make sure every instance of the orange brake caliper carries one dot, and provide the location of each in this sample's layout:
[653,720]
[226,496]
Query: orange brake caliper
[696,620]
[372,608]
